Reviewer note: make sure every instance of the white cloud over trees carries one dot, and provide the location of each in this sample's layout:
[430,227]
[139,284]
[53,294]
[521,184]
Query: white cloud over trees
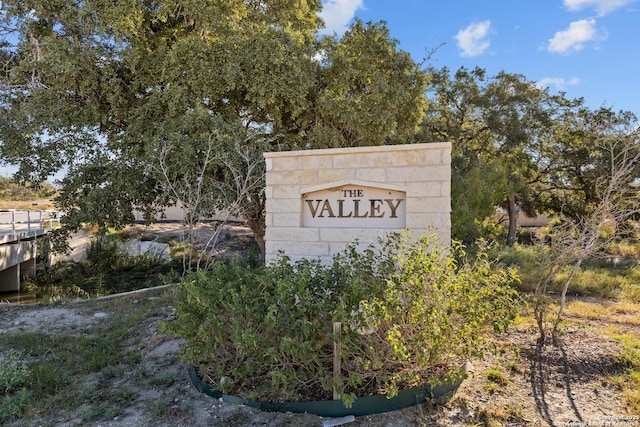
[574,38]
[337,14]
[473,40]
[559,83]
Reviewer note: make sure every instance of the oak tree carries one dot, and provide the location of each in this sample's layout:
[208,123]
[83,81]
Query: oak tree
[106,90]
[501,128]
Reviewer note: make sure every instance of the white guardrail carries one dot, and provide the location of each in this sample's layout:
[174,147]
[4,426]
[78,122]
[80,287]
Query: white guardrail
[13,221]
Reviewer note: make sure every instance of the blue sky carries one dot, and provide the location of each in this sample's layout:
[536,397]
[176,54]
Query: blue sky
[587,48]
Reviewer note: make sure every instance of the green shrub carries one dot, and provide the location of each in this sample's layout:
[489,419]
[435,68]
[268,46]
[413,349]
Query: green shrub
[15,405]
[598,276]
[105,253]
[496,375]
[15,376]
[14,371]
[108,269]
[406,308]
[629,248]
[527,259]
[13,190]
[435,311]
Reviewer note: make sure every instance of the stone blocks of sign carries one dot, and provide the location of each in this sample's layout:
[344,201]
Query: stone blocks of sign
[320,201]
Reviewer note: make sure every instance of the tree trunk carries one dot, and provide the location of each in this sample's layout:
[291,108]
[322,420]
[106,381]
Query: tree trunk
[563,297]
[512,212]
[255,220]
[257,227]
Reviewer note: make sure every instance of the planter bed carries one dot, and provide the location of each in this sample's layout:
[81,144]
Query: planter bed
[335,408]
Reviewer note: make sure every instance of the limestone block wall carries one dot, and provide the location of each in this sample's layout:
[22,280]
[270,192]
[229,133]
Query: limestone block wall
[319,201]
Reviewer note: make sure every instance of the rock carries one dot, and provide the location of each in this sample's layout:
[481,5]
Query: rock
[138,248]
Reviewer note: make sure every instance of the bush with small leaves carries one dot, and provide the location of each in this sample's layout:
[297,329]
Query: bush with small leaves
[14,371]
[407,309]
[15,375]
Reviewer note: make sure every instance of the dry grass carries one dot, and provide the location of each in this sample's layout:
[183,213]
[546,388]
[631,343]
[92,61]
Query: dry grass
[587,310]
[625,249]
[27,205]
[619,320]
[609,330]
[619,311]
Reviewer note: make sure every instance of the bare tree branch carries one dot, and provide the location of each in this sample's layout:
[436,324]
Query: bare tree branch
[618,198]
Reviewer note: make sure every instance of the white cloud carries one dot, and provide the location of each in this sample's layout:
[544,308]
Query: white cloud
[473,40]
[602,7]
[337,14]
[559,83]
[573,39]
[320,57]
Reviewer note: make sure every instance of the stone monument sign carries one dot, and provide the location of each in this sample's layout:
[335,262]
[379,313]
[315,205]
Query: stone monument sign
[354,205]
[319,201]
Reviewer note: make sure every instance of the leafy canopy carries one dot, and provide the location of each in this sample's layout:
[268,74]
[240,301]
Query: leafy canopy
[104,89]
[518,147]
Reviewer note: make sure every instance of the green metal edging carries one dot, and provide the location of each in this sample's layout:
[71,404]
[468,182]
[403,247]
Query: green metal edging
[335,408]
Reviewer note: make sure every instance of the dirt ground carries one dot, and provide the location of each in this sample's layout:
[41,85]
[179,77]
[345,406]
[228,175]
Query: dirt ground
[555,386]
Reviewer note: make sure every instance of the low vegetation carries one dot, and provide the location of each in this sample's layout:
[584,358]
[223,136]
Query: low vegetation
[22,196]
[605,290]
[81,374]
[109,268]
[629,379]
[406,312]
[71,372]
[608,276]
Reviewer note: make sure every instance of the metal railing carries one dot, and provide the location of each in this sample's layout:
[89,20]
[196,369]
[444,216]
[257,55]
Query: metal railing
[13,221]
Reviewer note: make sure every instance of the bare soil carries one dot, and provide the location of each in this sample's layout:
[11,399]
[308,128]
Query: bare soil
[528,384]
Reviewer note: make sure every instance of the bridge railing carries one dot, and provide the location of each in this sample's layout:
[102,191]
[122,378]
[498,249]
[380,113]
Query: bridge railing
[14,221]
